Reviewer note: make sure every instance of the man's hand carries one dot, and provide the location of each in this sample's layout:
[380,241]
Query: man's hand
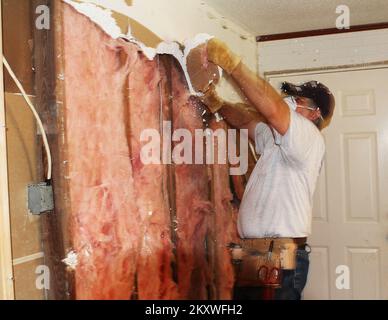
[212,100]
[220,54]
[238,115]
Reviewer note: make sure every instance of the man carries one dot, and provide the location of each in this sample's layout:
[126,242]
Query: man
[277,204]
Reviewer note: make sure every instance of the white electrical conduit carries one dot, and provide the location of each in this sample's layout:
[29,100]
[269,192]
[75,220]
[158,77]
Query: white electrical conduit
[40,125]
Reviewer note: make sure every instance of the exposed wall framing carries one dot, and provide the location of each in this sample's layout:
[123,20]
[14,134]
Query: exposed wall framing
[6,273]
[47,63]
[50,102]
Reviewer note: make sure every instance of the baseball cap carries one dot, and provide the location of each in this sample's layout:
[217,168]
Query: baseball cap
[316,91]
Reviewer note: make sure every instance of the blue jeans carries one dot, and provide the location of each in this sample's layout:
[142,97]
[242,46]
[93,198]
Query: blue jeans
[293,282]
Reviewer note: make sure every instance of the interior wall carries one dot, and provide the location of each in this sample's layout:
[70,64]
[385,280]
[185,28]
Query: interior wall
[21,149]
[177,20]
[167,20]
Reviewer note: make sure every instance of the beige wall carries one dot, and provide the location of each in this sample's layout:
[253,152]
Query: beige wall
[22,170]
[21,149]
[180,20]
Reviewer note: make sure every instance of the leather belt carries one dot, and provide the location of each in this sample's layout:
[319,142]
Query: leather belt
[300,242]
[263,244]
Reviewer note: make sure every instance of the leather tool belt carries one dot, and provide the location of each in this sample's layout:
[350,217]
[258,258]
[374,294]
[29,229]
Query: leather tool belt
[259,262]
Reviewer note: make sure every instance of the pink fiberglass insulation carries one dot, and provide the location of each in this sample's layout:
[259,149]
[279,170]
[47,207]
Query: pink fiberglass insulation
[224,224]
[122,226]
[154,273]
[104,214]
[193,207]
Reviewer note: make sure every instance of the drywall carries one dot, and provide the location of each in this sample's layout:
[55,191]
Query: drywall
[171,20]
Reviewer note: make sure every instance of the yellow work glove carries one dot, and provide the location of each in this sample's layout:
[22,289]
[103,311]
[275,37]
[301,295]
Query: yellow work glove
[212,100]
[221,55]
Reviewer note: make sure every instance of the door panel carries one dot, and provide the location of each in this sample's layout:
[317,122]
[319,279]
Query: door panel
[350,215]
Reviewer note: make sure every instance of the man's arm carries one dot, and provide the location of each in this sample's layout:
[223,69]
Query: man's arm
[241,116]
[258,91]
[238,115]
[264,97]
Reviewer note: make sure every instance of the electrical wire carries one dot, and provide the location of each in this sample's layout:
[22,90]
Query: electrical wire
[40,124]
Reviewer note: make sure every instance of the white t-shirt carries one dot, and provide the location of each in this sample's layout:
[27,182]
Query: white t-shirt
[278,197]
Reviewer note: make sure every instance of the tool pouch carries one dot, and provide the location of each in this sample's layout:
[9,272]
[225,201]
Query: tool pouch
[254,268]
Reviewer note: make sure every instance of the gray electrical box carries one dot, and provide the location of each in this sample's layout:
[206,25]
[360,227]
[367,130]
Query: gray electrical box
[40,198]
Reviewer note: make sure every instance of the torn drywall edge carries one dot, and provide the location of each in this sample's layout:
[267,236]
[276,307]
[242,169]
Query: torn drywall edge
[100,16]
[122,7]
[174,49]
[191,44]
[104,19]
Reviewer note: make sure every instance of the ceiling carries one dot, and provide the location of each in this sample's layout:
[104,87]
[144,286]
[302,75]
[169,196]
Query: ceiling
[265,17]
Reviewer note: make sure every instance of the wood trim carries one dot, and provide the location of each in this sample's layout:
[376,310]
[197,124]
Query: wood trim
[31,257]
[6,270]
[50,111]
[321,32]
[165,87]
[330,69]
[62,199]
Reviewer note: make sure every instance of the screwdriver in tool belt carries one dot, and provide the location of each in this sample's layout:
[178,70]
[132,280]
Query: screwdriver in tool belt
[269,256]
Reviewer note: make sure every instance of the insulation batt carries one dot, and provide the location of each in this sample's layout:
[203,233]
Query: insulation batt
[223,224]
[154,273]
[193,206]
[128,242]
[104,213]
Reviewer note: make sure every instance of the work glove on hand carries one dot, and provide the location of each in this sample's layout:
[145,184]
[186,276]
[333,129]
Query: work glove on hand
[212,100]
[221,55]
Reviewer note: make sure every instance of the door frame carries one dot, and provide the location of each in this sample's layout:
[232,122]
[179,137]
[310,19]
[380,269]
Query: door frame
[6,268]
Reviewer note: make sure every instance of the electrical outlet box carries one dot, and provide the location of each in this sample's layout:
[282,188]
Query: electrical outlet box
[40,198]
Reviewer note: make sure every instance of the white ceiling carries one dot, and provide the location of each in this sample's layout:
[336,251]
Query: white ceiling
[263,17]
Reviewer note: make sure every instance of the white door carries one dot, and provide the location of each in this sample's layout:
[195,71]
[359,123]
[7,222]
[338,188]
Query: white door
[350,218]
